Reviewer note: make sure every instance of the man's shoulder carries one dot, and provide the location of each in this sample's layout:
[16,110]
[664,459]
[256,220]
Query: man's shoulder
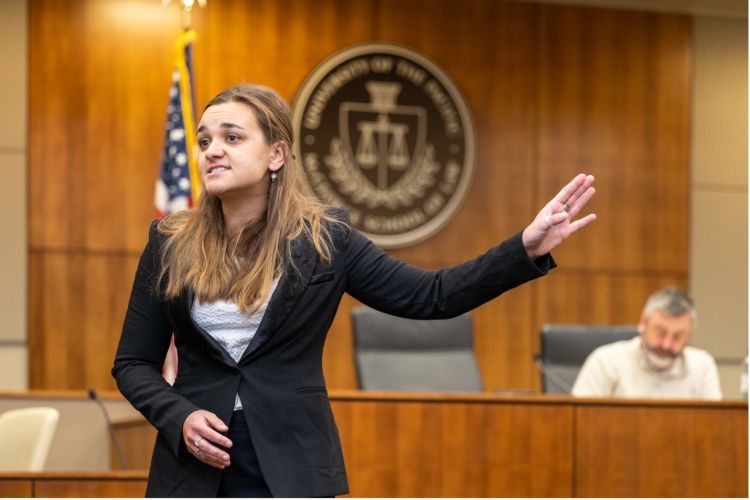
[698,355]
[615,349]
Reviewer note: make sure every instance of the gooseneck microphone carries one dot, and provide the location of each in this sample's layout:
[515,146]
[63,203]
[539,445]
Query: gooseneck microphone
[111,428]
[552,377]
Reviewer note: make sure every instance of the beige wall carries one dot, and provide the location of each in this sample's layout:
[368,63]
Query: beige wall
[13,85]
[718,261]
[718,239]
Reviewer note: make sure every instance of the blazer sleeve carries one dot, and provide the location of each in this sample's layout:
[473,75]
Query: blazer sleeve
[143,345]
[394,287]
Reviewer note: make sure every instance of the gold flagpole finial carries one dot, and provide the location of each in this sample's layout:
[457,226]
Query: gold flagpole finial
[187,9]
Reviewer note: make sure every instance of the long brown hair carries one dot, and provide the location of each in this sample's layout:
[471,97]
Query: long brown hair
[199,251]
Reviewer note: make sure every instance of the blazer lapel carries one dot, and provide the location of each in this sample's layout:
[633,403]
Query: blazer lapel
[288,292]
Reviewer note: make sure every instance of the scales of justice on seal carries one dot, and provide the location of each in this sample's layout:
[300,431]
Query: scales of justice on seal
[382,141]
[386,133]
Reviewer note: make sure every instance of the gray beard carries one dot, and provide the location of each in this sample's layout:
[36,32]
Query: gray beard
[657,362]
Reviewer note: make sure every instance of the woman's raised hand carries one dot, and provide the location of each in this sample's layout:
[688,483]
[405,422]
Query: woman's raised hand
[554,223]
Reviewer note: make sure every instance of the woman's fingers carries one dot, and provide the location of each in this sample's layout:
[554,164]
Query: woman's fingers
[202,435]
[580,190]
[217,438]
[570,189]
[570,195]
[206,425]
[209,453]
[555,219]
[216,422]
[581,201]
[583,221]
[554,223]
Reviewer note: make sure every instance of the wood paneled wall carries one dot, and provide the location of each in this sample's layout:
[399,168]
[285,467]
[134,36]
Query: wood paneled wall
[553,90]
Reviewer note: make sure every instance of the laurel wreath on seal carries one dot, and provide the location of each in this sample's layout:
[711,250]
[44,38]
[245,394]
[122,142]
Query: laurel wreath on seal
[353,183]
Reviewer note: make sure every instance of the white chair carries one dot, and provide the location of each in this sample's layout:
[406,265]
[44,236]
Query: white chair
[25,437]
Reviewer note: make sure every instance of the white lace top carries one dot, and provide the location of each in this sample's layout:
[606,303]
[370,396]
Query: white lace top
[231,328]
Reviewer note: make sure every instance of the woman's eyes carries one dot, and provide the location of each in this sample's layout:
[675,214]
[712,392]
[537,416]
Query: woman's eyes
[205,142]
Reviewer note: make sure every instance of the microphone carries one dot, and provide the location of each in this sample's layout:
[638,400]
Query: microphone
[553,377]
[113,437]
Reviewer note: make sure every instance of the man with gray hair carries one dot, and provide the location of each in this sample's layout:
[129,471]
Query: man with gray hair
[657,363]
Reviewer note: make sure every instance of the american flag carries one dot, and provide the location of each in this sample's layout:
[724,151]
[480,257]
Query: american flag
[178,186]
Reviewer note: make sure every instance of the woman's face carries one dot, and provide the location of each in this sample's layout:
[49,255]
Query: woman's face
[233,157]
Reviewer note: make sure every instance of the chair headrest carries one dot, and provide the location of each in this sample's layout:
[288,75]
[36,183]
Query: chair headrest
[376,330]
[571,344]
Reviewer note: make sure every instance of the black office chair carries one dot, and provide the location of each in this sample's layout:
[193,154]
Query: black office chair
[564,348]
[398,354]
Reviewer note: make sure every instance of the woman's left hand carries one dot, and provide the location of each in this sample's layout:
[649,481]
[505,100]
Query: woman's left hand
[554,223]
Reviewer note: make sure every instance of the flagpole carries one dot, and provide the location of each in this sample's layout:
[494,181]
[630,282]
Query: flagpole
[183,58]
[186,83]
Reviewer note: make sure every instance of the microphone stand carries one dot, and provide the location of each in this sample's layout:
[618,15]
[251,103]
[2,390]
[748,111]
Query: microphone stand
[111,428]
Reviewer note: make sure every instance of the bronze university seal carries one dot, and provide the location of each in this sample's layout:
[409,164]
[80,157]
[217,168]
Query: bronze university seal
[383,131]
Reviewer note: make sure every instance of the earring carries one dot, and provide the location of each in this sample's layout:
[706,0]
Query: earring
[274,176]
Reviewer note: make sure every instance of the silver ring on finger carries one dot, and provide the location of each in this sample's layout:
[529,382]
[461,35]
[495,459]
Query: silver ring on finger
[198,442]
[565,207]
[197,452]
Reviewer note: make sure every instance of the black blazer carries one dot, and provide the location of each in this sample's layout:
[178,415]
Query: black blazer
[280,378]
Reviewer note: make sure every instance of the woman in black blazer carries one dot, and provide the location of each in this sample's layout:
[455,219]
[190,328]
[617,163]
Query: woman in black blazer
[248,414]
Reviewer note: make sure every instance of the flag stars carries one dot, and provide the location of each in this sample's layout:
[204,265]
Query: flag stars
[176,134]
[174,190]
